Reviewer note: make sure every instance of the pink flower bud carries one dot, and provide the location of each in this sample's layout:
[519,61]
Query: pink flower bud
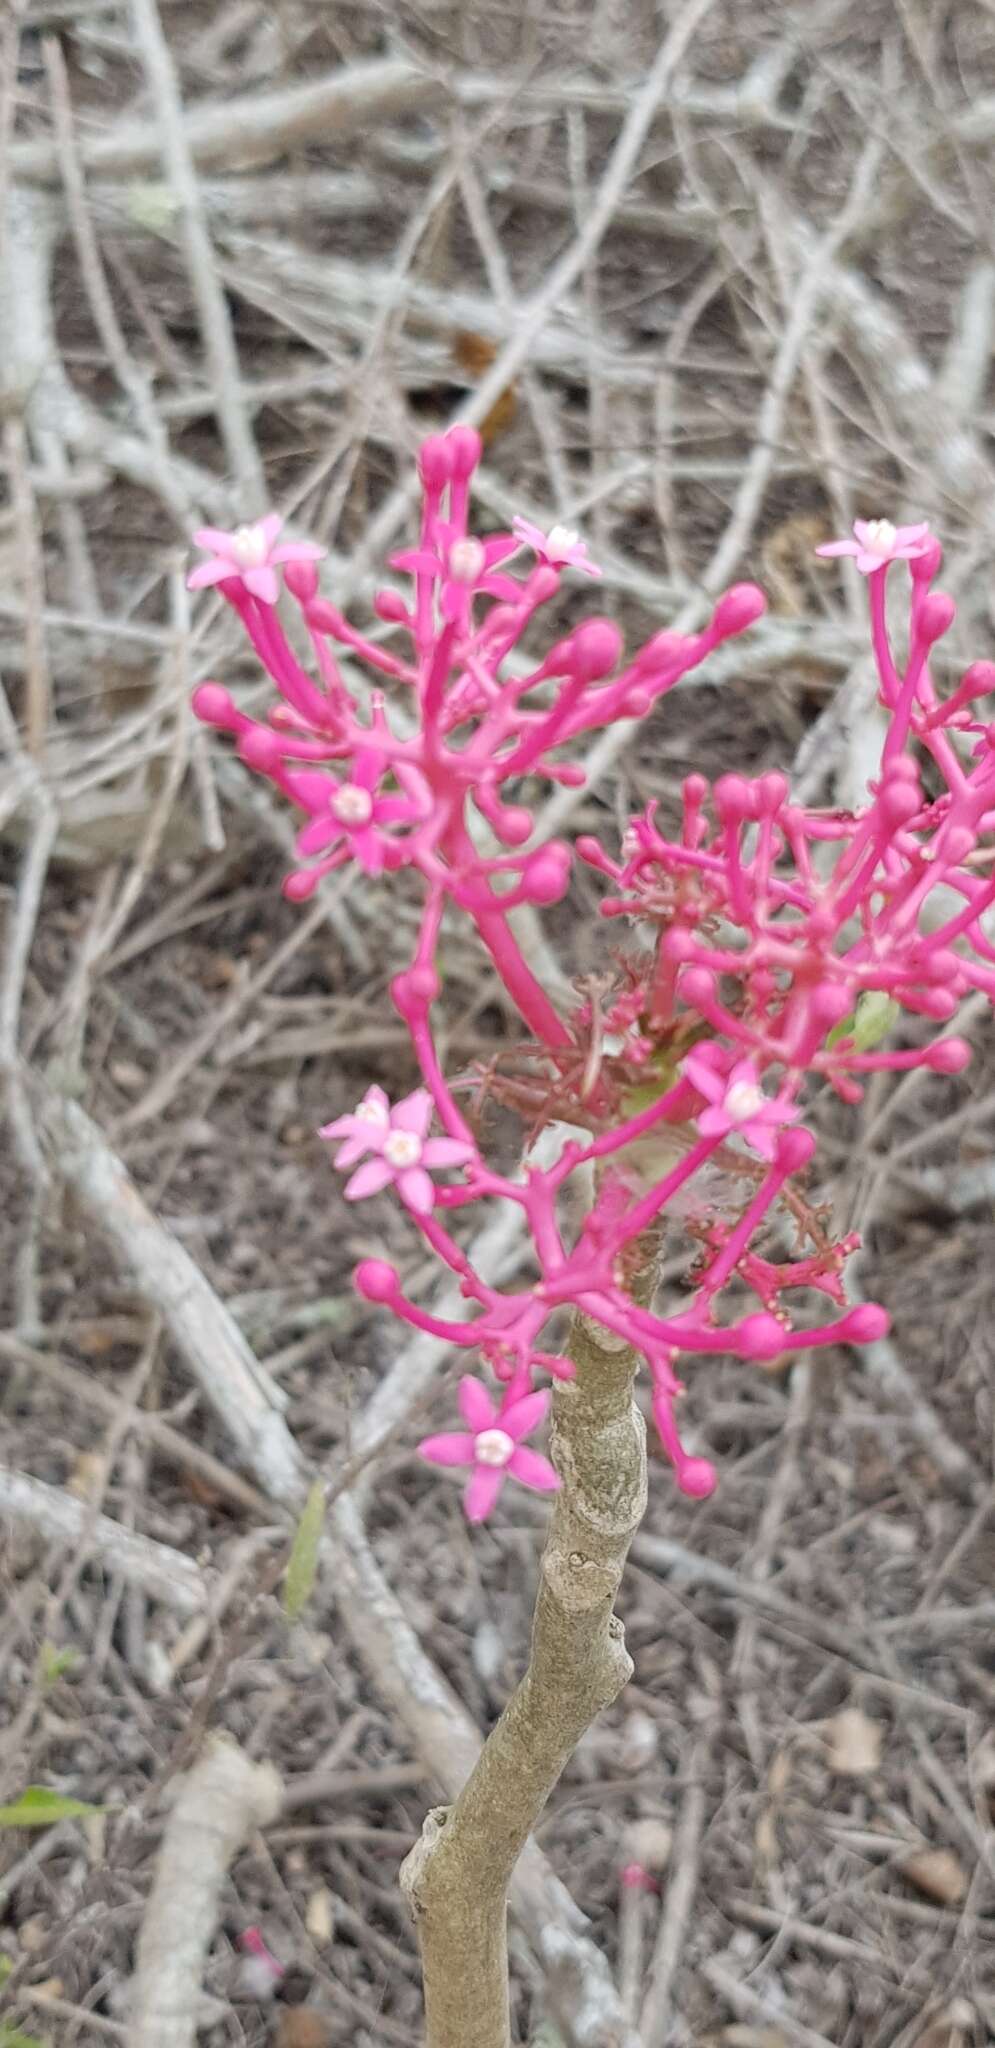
[795,1149]
[738,608]
[760,1336]
[545,582]
[434,463]
[956,843]
[300,885]
[936,615]
[215,706]
[375,1280]
[513,824]
[596,647]
[948,1056]
[698,986]
[938,1003]
[773,791]
[830,1003]
[301,579]
[635,1878]
[389,605]
[696,1477]
[866,1323]
[465,449]
[547,874]
[734,797]
[898,801]
[978,680]
[664,650]
[324,617]
[924,567]
[259,749]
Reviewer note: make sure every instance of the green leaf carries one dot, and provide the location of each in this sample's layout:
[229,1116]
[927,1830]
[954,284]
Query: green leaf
[303,1563]
[54,1664]
[869,1023]
[39,1807]
[6,1966]
[12,2037]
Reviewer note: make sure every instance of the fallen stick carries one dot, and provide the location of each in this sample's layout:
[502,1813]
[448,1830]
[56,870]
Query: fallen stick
[220,1803]
[165,1574]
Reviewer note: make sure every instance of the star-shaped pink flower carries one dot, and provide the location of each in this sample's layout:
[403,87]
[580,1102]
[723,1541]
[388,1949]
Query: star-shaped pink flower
[876,542]
[402,1153]
[251,554]
[736,1102]
[492,1445]
[561,547]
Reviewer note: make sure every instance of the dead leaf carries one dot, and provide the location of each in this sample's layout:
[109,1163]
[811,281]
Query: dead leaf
[854,1743]
[939,1874]
[319,1917]
[301,2027]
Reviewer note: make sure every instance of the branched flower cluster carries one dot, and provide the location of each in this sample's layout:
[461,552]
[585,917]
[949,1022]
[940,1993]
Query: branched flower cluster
[786,941]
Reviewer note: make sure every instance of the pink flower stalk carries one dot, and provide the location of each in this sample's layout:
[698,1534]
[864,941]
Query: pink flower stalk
[250,556]
[402,1152]
[492,1445]
[736,1100]
[876,542]
[791,945]
[561,547]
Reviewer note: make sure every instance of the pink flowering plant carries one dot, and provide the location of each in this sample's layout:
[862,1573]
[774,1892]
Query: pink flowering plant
[777,949]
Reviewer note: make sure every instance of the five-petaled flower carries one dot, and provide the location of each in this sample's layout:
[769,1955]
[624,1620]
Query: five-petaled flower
[250,554]
[736,1101]
[492,1445]
[561,547]
[876,542]
[401,1151]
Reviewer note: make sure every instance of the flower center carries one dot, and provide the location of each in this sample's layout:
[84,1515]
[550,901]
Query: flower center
[493,1447]
[880,536]
[352,805]
[249,547]
[743,1100]
[402,1148]
[560,540]
[370,1113]
[466,560]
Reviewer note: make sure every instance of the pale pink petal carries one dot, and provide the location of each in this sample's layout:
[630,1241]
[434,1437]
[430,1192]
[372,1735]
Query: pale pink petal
[475,1404]
[531,536]
[205,573]
[414,1113]
[269,527]
[298,551]
[904,535]
[417,1190]
[220,543]
[870,564]
[263,583]
[861,528]
[379,1098]
[367,769]
[368,1180]
[714,1122]
[744,1070]
[446,1152]
[760,1137]
[354,1147]
[482,1491]
[522,1416]
[314,838]
[452,1448]
[342,1127]
[530,1468]
[704,1077]
[838,547]
[367,847]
